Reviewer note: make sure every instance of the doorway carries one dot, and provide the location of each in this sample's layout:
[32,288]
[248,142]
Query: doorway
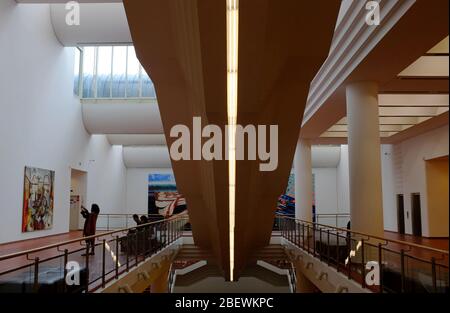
[400,215]
[78,182]
[437,196]
[416,214]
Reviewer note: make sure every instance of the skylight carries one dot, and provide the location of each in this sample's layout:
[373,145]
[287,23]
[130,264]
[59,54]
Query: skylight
[111,72]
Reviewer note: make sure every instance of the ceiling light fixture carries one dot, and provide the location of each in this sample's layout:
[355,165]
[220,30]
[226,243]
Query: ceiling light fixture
[232,86]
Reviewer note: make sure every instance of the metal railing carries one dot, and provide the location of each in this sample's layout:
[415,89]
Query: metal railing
[106,221]
[402,266]
[70,268]
[333,219]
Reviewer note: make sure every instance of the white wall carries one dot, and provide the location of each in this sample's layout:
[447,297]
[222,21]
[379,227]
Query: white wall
[325,190]
[137,188]
[388,179]
[408,161]
[41,123]
[343,183]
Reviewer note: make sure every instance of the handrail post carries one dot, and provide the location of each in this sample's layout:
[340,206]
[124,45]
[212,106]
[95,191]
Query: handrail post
[36,275]
[314,239]
[349,249]
[303,236]
[104,262]
[128,252]
[320,240]
[291,230]
[66,259]
[117,257]
[150,232]
[337,251]
[136,247]
[307,236]
[107,222]
[402,269]
[380,265]
[328,247]
[86,281]
[433,273]
[295,232]
[363,270]
[337,225]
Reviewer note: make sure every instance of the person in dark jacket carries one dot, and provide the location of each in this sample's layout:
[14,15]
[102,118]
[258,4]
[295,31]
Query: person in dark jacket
[90,224]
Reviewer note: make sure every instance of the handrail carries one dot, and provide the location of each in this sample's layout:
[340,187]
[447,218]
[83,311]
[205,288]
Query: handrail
[410,244]
[65,243]
[332,214]
[127,214]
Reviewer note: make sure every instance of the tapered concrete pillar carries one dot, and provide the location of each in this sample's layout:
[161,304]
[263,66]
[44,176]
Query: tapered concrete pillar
[303,180]
[366,203]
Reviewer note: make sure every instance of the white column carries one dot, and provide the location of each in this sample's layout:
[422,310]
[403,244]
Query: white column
[366,202]
[303,180]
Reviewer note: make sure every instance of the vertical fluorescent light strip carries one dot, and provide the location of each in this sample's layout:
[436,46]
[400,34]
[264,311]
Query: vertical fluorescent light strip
[232,86]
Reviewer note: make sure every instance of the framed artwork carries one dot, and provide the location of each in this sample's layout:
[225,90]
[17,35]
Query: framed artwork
[38,199]
[163,197]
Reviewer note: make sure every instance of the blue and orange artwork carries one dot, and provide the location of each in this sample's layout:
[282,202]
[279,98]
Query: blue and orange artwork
[286,202]
[163,197]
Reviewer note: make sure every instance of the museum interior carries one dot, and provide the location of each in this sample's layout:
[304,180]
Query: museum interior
[124,126]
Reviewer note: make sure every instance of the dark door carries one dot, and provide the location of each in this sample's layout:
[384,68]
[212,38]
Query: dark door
[416,215]
[400,215]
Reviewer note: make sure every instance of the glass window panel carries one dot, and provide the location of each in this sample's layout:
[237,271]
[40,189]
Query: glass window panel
[104,72]
[133,73]
[88,72]
[119,71]
[76,72]
[148,90]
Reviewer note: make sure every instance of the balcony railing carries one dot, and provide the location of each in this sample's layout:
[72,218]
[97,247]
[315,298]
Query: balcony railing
[402,266]
[68,267]
[119,221]
[333,219]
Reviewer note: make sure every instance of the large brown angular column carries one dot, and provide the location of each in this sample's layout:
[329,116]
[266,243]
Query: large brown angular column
[282,45]
[182,46]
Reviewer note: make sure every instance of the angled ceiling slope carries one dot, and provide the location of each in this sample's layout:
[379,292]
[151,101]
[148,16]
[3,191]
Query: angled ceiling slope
[415,29]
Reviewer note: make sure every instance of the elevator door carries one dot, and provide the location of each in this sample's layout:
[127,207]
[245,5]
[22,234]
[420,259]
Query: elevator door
[416,215]
[400,215]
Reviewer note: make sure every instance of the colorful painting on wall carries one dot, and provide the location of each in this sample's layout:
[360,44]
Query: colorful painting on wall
[286,202]
[38,199]
[163,197]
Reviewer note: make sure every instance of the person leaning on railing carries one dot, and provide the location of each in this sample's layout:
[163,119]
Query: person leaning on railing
[124,240]
[90,225]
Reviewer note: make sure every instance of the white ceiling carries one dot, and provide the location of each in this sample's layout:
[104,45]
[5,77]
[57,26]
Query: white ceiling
[399,112]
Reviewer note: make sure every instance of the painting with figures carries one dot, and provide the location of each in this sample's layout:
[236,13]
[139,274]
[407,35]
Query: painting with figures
[38,199]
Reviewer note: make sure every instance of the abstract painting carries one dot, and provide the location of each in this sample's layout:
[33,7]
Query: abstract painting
[38,199]
[286,202]
[163,197]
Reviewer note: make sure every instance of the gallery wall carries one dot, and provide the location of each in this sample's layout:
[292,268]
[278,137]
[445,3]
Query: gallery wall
[405,164]
[41,123]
